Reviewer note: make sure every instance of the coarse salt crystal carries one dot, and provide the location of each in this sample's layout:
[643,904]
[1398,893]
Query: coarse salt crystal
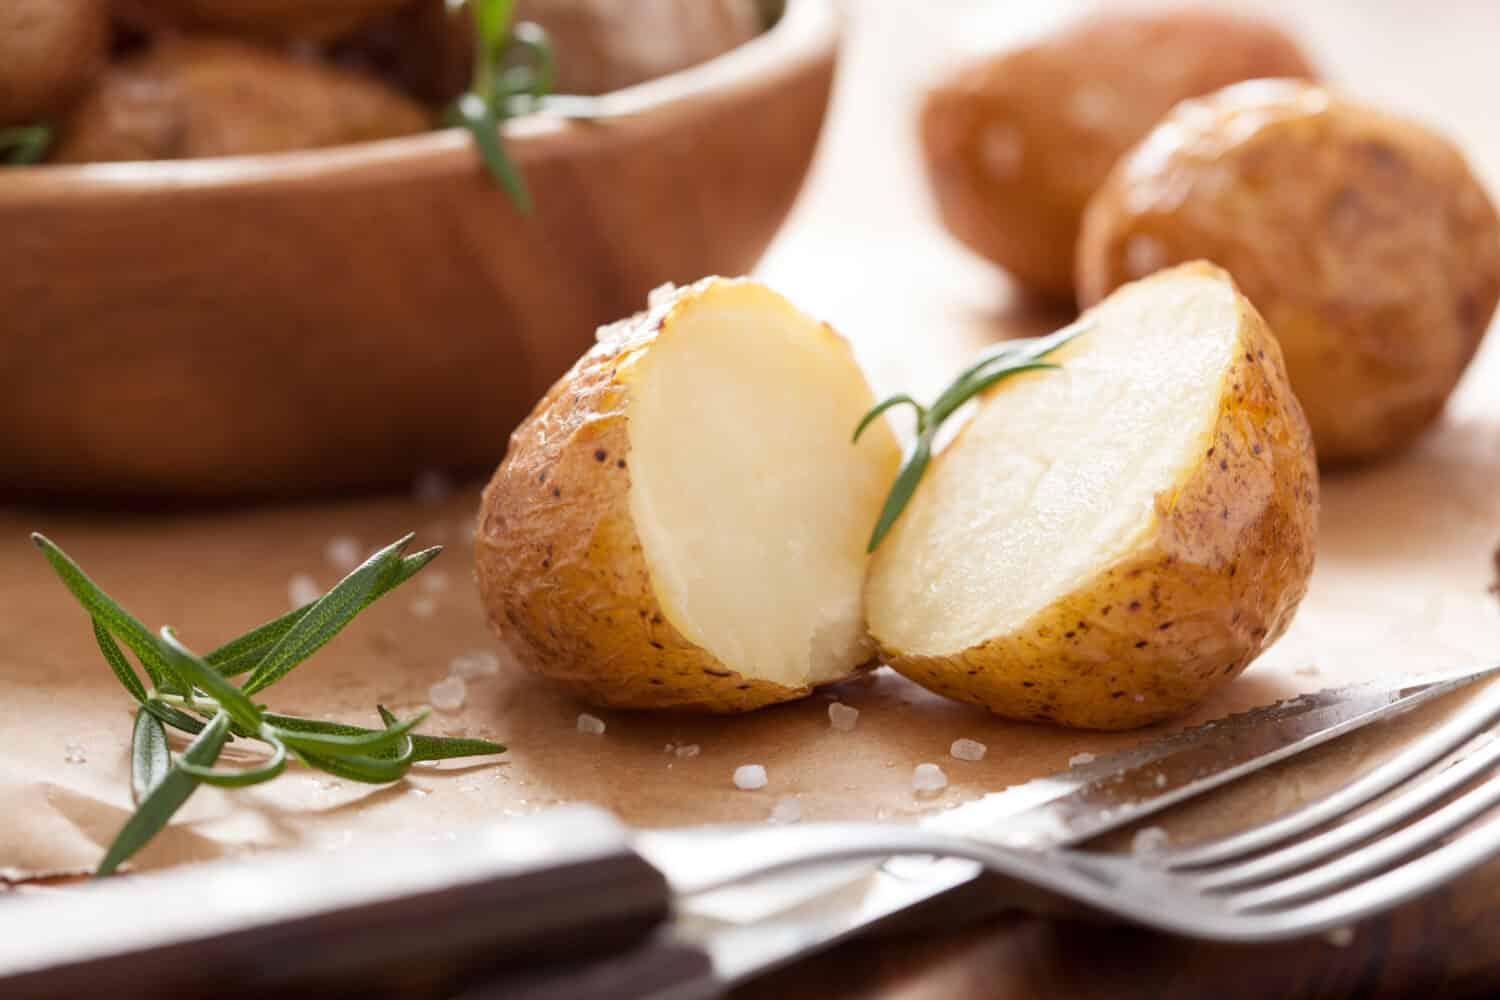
[476,663]
[342,552]
[1079,759]
[843,717]
[302,589]
[1161,781]
[424,607]
[1151,840]
[687,750]
[660,294]
[591,724]
[74,753]
[1340,937]
[786,810]
[431,487]
[749,777]
[448,694]
[966,749]
[928,779]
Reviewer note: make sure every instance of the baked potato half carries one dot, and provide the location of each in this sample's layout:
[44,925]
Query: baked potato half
[1104,545]
[1363,237]
[680,523]
[196,97]
[49,51]
[1016,143]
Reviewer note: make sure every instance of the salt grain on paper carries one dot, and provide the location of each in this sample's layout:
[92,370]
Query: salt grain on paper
[687,750]
[928,779]
[74,753]
[424,607]
[591,724]
[302,589]
[342,552]
[968,750]
[1151,840]
[1079,759]
[749,777]
[448,694]
[786,810]
[475,663]
[843,717]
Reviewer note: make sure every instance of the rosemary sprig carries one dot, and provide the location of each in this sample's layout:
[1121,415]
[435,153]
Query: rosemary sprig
[513,70]
[186,689]
[23,145]
[993,366]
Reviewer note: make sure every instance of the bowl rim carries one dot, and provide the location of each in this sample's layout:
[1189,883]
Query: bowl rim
[807,32]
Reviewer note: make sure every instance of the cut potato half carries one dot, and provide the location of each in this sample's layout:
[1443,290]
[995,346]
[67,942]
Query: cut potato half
[1103,545]
[681,520]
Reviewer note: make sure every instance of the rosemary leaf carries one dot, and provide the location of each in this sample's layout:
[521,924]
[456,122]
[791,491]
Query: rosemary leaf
[328,615]
[348,745]
[231,699]
[471,112]
[425,748]
[117,662]
[901,399]
[109,614]
[150,760]
[902,489]
[24,145]
[229,777]
[246,652]
[163,801]
[368,770]
[174,717]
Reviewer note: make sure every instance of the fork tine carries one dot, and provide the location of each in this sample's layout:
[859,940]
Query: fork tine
[1383,892]
[1375,856]
[1400,807]
[1467,723]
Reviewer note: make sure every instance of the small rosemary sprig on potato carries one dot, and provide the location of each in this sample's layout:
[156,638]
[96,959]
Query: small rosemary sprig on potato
[499,91]
[195,694]
[994,365]
[23,145]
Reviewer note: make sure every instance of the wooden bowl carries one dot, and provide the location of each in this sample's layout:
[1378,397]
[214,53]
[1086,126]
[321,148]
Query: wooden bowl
[349,317]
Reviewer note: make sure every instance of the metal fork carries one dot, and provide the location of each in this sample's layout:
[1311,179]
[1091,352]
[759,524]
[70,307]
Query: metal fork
[1267,883]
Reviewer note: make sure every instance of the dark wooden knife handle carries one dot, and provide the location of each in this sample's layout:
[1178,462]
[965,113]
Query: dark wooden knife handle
[408,916]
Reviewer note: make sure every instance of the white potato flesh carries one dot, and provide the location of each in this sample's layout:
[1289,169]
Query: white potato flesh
[1057,474]
[751,503]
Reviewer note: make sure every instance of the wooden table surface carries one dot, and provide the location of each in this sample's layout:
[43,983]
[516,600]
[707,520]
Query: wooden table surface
[865,223]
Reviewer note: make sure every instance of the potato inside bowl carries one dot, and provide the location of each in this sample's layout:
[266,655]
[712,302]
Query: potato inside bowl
[680,523]
[1103,545]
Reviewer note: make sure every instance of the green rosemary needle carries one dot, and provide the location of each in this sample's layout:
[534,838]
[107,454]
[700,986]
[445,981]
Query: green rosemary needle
[995,365]
[195,695]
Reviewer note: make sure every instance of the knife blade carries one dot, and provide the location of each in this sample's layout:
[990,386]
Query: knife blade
[1061,809]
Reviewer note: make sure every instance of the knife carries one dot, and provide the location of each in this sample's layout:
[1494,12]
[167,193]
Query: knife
[449,911]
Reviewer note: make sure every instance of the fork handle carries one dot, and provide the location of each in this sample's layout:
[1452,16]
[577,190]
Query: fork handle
[414,916]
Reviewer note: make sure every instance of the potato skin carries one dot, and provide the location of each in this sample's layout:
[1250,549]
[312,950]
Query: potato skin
[1229,562]
[558,561]
[1363,238]
[49,51]
[270,19]
[1016,143]
[196,97]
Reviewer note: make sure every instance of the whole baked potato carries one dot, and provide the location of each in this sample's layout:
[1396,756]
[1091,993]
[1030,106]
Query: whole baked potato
[1363,238]
[195,97]
[680,523]
[1015,143]
[49,51]
[1104,545]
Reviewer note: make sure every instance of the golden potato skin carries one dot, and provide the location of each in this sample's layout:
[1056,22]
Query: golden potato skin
[1363,238]
[271,19]
[1233,549]
[558,561]
[1016,143]
[196,97]
[49,51]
